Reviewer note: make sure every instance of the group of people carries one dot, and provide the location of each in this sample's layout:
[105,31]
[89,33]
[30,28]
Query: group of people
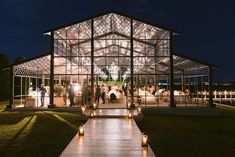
[85,97]
[86,94]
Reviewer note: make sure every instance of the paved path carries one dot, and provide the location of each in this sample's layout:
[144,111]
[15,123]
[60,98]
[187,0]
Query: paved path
[108,137]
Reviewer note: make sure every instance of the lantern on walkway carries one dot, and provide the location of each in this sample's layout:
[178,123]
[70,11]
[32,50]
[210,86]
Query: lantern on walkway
[94,106]
[83,108]
[129,105]
[130,114]
[139,109]
[92,114]
[144,140]
[81,130]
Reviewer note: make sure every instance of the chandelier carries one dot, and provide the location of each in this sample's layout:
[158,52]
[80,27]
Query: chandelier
[113,71]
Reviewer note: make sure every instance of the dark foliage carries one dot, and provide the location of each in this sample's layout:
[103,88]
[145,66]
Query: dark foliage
[4,77]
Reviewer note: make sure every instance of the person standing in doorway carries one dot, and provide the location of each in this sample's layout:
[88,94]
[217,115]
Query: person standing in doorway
[124,88]
[42,92]
[103,93]
[84,95]
[71,95]
[97,94]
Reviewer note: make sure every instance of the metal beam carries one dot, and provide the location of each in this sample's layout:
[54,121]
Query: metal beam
[132,63]
[92,59]
[210,80]
[172,101]
[115,33]
[52,71]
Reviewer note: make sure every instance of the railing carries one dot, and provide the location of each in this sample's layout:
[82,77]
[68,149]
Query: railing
[219,96]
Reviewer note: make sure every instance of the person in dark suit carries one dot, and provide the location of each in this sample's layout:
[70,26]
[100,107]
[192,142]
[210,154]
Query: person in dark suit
[42,92]
[103,93]
[85,95]
[97,94]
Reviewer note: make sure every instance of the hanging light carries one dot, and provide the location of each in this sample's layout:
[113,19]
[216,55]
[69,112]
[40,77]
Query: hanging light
[130,114]
[81,130]
[83,108]
[144,140]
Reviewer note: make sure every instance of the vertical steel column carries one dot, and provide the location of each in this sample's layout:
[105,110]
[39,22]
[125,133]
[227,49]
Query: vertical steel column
[21,90]
[52,71]
[183,81]
[11,94]
[132,64]
[92,60]
[183,87]
[38,98]
[172,101]
[155,69]
[210,80]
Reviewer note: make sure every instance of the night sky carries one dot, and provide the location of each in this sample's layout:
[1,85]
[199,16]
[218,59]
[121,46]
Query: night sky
[207,27]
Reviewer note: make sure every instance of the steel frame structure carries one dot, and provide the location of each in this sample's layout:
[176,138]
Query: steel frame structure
[139,48]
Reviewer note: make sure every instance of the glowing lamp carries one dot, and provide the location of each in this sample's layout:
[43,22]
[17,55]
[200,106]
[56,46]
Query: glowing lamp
[92,114]
[144,140]
[139,109]
[130,114]
[83,108]
[94,106]
[77,88]
[129,105]
[81,130]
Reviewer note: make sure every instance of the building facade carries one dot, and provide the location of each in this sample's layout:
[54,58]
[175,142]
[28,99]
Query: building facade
[123,55]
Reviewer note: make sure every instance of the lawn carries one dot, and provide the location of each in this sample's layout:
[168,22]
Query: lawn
[48,133]
[184,136]
[36,133]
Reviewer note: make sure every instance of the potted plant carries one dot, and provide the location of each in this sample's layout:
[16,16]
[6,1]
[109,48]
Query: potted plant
[58,90]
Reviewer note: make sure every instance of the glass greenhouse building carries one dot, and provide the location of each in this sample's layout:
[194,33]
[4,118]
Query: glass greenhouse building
[125,59]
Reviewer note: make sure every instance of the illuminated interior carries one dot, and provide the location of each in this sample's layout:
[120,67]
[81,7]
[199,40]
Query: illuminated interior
[112,49]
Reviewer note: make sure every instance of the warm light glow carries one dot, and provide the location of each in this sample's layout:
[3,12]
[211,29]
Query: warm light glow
[92,114]
[129,105]
[145,151]
[139,109]
[144,140]
[77,87]
[130,114]
[81,130]
[113,70]
[94,106]
[83,108]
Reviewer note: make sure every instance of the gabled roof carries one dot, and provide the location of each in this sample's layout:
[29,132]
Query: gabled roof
[196,60]
[114,12]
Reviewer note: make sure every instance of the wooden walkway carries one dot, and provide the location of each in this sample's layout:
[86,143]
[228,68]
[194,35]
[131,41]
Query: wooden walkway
[108,137]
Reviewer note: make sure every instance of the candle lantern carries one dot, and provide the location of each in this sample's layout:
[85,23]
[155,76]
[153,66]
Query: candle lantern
[94,106]
[130,114]
[139,109]
[144,140]
[129,105]
[81,130]
[92,114]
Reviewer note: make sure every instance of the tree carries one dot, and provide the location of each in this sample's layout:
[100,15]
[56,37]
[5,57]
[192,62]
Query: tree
[19,59]
[4,77]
